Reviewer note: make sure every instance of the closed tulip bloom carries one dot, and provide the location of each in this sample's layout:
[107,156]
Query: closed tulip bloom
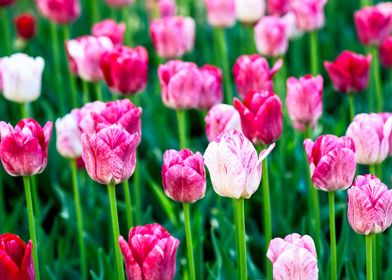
[125,70]
[211,91]
[221,118]
[385,7]
[111,29]
[59,11]
[261,116]
[5,3]
[167,8]
[68,135]
[371,137]
[85,53]
[119,3]
[25,26]
[349,72]
[252,72]
[86,121]
[249,11]
[278,7]
[386,117]
[221,13]
[271,37]
[293,257]
[304,100]
[173,36]
[332,162]
[369,205]
[235,169]
[16,260]
[183,176]
[24,149]
[386,52]
[150,253]
[22,75]
[372,25]
[309,13]
[292,31]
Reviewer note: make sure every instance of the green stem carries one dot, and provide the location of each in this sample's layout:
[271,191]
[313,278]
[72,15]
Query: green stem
[351,104]
[267,214]
[372,169]
[241,239]
[369,254]
[188,234]
[137,191]
[376,76]
[224,54]
[31,220]
[251,39]
[94,10]
[71,78]
[182,133]
[116,230]
[331,199]
[314,53]
[235,217]
[24,110]
[98,91]
[279,82]
[6,38]
[366,3]
[34,190]
[79,219]
[128,203]
[184,8]
[128,34]
[86,93]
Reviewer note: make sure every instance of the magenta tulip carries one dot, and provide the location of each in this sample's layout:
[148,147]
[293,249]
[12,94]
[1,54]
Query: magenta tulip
[221,118]
[59,11]
[5,3]
[211,91]
[309,14]
[112,30]
[278,7]
[221,13]
[167,8]
[119,3]
[386,52]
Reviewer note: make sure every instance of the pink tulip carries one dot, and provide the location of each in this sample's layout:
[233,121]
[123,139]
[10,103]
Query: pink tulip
[261,116]
[221,13]
[221,118]
[270,36]
[278,7]
[309,13]
[332,162]
[235,169]
[385,7]
[386,52]
[252,72]
[110,154]
[119,3]
[304,100]
[372,25]
[167,8]
[369,205]
[24,150]
[112,30]
[86,122]
[85,53]
[371,137]
[5,3]
[173,36]
[59,11]
[125,70]
[291,26]
[68,135]
[211,91]
[150,253]
[386,117]
[183,176]
[349,72]
[293,257]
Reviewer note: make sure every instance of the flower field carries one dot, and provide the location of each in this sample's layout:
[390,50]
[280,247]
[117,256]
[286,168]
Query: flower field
[195,139]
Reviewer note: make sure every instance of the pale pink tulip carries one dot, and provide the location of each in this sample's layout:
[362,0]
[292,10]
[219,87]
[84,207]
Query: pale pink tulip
[221,13]
[221,118]
[68,135]
[211,91]
[309,13]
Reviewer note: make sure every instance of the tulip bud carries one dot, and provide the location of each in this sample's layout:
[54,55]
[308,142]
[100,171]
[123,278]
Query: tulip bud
[304,100]
[270,36]
[221,118]
[156,263]
[5,3]
[221,13]
[369,205]
[252,72]
[278,7]
[24,150]
[249,11]
[173,36]
[332,162]
[16,260]
[371,137]
[59,11]
[119,3]
[85,53]
[235,169]
[290,21]
[68,135]
[110,154]
[293,257]
[167,8]
[261,116]
[21,77]
[25,26]
[211,91]
[349,72]
[309,13]
[112,30]
[86,122]
[386,52]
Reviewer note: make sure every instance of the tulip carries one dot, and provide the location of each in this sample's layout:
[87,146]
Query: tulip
[25,26]
[252,72]
[349,72]
[304,100]
[278,7]
[167,8]
[59,11]
[125,70]
[173,36]
[261,116]
[385,8]
[211,91]
[68,135]
[16,262]
[85,53]
[249,11]
[221,118]
[24,150]
[5,3]
[159,262]
[372,25]
[309,13]
[86,121]
[112,30]
[119,3]
[270,36]
[386,52]
[293,257]
[386,117]
[221,13]
[21,75]
[292,31]
[371,137]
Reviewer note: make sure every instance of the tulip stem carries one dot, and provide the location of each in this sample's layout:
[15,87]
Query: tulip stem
[332,234]
[128,203]
[314,53]
[31,220]
[365,3]
[188,234]
[182,133]
[267,214]
[85,89]
[128,34]
[351,104]
[6,31]
[94,10]
[377,78]
[369,256]
[116,230]
[240,224]
[71,78]
[235,217]
[24,109]
[79,219]
[251,38]
[137,188]
[98,91]
[372,169]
